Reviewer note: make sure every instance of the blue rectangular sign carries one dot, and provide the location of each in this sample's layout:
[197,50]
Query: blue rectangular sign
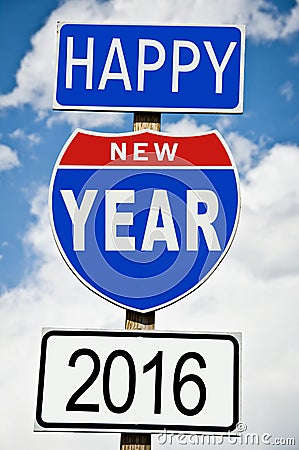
[150,68]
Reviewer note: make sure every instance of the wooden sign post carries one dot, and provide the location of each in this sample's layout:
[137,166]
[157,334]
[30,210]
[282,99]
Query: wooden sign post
[135,320]
[149,120]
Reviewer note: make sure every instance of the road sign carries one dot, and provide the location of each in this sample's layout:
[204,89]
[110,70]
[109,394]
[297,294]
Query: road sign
[185,382]
[150,68]
[144,218]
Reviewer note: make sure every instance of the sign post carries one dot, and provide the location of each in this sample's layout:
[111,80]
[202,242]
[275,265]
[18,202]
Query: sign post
[136,320]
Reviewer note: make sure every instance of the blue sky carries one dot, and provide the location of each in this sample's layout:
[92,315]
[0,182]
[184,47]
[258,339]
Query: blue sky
[271,77]
[255,288]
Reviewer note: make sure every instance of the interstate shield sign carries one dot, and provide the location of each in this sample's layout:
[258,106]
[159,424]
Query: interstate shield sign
[144,218]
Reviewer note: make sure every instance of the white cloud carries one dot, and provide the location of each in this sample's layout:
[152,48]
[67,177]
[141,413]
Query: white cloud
[291,24]
[185,126]
[86,119]
[223,123]
[31,138]
[262,20]
[253,291]
[287,90]
[243,149]
[8,158]
[3,245]
[294,59]
[271,200]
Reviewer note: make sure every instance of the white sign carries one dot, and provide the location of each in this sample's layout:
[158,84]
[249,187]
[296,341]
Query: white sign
[114,381]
